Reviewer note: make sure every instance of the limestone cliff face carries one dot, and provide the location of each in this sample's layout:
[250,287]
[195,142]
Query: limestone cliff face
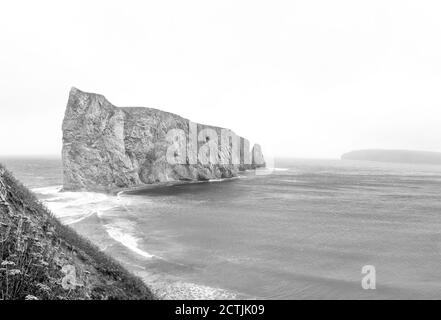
[107,147]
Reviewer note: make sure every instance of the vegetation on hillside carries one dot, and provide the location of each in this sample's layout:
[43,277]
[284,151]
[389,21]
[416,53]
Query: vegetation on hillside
[40,258]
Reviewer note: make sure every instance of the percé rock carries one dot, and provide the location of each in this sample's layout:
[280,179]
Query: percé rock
[397,156]
[107,147]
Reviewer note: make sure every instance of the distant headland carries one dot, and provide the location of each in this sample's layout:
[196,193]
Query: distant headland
[395,156]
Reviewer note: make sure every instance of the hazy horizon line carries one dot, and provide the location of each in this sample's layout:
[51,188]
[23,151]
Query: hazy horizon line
[55,156]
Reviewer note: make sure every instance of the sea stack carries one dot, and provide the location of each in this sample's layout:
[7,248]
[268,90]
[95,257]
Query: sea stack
[107,147]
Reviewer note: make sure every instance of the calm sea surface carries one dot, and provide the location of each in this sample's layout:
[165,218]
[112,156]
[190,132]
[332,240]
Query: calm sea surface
[303,231]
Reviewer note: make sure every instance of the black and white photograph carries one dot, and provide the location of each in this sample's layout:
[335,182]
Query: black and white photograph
[236,151]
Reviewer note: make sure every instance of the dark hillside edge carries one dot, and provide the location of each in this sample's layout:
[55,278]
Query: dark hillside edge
[40,258]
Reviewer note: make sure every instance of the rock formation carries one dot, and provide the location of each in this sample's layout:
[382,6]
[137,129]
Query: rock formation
[107,147]
[396,156]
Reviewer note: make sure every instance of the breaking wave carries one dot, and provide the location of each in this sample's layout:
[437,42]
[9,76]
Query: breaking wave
[127,240]
[72,207]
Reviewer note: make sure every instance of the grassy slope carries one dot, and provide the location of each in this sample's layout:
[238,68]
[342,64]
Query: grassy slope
[38,254]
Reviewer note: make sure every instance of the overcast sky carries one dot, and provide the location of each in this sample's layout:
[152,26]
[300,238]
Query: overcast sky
[306,78]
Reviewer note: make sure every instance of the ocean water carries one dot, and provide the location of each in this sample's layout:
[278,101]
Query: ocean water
[302,231]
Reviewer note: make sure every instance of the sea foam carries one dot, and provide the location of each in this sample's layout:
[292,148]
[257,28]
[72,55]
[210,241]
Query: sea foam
[72,207]
[126,239]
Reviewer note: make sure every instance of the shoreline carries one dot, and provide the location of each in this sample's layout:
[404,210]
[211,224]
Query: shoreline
[167,184]
[164,286]
[155,185]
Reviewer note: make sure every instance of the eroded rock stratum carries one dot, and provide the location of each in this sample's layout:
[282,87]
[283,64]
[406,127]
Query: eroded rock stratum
[107,147]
